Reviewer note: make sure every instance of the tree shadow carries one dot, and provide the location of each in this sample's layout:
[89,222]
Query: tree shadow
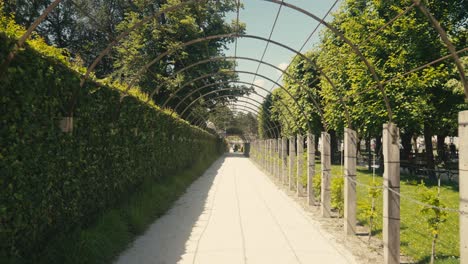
[166,240]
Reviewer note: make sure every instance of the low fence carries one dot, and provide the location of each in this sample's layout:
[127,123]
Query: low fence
[411,217]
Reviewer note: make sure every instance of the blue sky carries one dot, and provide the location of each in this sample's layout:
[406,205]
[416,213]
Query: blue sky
[292,29]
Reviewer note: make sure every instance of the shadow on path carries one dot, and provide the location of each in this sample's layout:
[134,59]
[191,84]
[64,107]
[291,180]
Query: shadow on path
[165,241]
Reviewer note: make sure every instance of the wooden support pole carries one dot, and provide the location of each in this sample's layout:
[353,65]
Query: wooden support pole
[265,154]
[273,157]
[325,196]
[300,163]
[284,159]
[268,156]
[292,154]
[463,183]
[310,168]
[278,155]
[391,198]
[350,148]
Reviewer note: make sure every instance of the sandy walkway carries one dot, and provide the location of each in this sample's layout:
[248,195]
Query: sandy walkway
[235,214]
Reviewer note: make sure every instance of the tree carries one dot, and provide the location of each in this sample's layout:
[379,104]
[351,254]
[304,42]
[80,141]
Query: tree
[267,123]
[411,41]
[86,27]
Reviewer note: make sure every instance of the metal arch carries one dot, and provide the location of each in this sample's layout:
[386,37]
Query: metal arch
[243,97]
[277,133]
[124,34]
[27,34]
[321,21]
[275,130]
[353,47]
[176,7]
[226,82]
[270,124]
[443,35]
[243,108]
[317,106]
[249,110]
[230,35]
[271,127]
[259,87]
[226,89]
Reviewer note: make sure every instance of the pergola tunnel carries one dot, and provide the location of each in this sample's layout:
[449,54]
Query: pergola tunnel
[107,105]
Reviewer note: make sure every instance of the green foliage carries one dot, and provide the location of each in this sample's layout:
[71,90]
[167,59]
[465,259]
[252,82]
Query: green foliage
[367,208]
[296,113]
[267,125]
[317,184]
[415,238]
[53,182]
[111,233]
[337,194]
[434,215]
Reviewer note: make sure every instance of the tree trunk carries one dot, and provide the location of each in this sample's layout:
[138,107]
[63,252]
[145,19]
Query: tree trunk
[369,153]
[334,146]
[429,152]
[379,152]
[317,138]
[415,144]
[406,142]
[441,148]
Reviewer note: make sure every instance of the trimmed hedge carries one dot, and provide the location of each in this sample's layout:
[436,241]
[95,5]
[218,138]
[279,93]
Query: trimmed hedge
[53,182]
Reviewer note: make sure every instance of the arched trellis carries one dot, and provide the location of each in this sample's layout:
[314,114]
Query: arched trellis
[259,104]
[274,129]
[301,109]
[235,35]
[271,127]
[231,89]
[104,52]
[301,85]
[277,135]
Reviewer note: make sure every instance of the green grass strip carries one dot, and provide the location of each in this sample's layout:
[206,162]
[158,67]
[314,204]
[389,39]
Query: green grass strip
[116,228]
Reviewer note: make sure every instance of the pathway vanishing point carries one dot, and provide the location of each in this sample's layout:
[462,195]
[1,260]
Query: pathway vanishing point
[235,214]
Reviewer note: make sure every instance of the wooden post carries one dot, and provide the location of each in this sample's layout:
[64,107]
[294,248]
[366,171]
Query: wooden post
[268,157]
[278,154]
[272,156]
[267,167]
[272,151]
[284,159]
[265,154]
[325,196]
[300,163]
[463,183]
[350,147]
[391,198]
[310,168]
[292,154]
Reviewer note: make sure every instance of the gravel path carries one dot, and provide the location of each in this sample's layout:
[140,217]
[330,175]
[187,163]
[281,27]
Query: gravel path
[235,214]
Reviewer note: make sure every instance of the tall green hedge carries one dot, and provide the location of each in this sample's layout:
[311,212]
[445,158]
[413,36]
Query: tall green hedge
[52,182]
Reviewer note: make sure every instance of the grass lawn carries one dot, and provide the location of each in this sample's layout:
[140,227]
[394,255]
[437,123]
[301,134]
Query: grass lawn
[414,232]
[415,235]
[116,228]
